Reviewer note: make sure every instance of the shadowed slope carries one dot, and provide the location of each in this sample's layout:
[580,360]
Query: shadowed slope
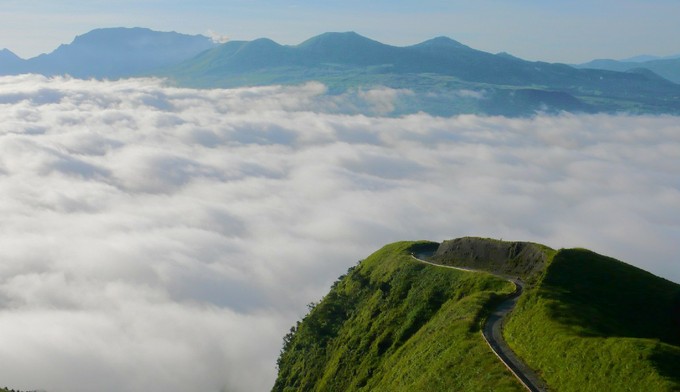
[595,323]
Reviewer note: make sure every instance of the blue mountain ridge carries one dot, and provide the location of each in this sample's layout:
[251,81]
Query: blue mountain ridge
[668,68]
[438,67]
[111,53]
[440,55]
[446,76]
[10,63]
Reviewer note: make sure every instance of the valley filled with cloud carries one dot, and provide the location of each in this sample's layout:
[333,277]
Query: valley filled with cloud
[164,239]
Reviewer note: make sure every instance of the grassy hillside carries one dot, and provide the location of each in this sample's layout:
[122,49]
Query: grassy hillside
[590,323]
[394,324]
[597,324]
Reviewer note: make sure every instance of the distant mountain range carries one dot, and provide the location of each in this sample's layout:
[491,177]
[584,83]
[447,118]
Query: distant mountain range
[646,57]
[445,76]
[668,68]
[110,53]
[435,70]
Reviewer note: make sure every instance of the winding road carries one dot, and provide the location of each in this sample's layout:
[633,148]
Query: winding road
[492,332]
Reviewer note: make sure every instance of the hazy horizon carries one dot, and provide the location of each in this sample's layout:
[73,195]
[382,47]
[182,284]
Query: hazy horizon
[579,31]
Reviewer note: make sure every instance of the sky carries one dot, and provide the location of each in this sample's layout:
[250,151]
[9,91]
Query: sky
[164,240]
[555,31]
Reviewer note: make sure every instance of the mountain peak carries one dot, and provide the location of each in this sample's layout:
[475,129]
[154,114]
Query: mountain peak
[119,51]
[109,33]
[263,47]
[10,63]
[134,36]
[7,54]
[337,39]
[441,42]
[345,48]
[264,42]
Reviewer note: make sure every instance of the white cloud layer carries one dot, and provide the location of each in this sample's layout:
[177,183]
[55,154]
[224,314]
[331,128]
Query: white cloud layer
[165,239]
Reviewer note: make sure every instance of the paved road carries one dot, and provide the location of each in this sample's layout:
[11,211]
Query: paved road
[492,333]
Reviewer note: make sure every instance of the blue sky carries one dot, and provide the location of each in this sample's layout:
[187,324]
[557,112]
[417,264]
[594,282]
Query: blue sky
[564,31]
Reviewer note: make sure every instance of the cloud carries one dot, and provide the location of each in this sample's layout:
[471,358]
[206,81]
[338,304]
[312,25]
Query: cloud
[217,37]
[382,100]
[476,94]
[165,239]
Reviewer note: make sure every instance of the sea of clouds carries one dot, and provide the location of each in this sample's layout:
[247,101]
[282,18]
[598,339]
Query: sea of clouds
[165,239]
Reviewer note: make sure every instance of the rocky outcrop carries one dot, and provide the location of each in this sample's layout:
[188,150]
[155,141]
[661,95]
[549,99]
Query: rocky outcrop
[522,259]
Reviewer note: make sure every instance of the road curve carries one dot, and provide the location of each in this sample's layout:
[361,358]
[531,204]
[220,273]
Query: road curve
[492,333]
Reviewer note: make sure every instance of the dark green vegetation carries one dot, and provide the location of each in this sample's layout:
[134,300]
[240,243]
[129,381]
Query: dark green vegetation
[588,323]
[446,76]
[597,324]
[394,324]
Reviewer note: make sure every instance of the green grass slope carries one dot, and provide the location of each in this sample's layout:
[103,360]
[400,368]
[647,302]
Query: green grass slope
[394,324]
[596,324]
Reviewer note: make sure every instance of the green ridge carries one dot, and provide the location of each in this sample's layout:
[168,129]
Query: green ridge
[394,324]
[597,324]
[590,323]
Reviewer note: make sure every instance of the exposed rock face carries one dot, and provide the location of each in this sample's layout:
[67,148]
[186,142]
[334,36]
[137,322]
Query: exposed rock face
[524,259]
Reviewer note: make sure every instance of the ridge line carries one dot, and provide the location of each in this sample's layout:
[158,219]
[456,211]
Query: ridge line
[526,376]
